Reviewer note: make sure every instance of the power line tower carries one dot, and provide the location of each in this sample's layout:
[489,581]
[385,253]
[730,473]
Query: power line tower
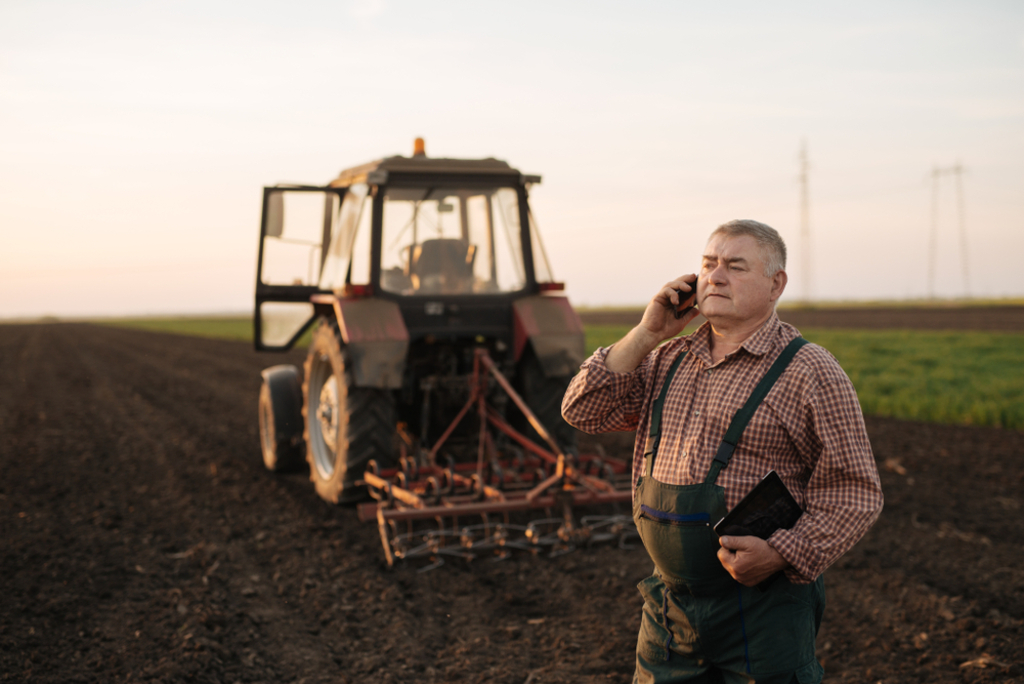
[805,223]
[957,171]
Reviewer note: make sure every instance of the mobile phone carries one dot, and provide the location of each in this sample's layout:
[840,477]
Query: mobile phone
[685,297]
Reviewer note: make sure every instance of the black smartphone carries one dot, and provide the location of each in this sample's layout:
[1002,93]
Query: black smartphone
[685,297]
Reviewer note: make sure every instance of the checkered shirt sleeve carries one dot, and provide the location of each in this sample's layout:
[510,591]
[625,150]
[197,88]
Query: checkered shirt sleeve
[809,429]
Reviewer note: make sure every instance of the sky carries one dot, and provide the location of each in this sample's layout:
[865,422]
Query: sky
[136,137]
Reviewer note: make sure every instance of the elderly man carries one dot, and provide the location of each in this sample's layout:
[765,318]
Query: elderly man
[738,608]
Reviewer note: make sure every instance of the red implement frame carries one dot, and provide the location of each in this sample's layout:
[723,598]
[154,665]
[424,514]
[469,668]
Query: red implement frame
[429,492]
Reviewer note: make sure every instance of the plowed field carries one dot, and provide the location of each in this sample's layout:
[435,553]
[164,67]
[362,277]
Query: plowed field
[141,539]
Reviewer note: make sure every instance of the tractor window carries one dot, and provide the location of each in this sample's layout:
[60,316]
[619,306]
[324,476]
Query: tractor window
[360,272]
[293,237]
[350,241]
[541,265]
[279,321]
[451,241]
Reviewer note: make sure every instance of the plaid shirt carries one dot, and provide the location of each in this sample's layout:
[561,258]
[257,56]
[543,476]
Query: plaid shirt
[809,429]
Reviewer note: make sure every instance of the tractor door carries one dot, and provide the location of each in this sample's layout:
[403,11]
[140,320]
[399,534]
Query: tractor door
[295,234]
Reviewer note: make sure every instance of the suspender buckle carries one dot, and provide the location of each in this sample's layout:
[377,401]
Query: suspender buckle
[724,453]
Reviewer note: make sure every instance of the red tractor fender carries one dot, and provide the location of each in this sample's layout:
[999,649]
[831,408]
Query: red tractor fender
[553,329]
[375,337]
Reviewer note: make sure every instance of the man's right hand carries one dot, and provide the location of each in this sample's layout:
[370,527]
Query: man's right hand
[660,316]
[658,324]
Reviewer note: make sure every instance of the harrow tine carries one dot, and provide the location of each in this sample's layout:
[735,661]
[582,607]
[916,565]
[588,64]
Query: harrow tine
[433,566]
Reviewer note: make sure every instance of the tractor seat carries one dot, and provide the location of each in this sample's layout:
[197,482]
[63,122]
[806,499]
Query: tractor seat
[443,266]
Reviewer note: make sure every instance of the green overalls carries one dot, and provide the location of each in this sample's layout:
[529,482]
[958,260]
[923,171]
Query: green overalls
[698,623]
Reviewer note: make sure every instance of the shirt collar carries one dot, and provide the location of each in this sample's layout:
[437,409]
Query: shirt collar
[763,341]
[760,343]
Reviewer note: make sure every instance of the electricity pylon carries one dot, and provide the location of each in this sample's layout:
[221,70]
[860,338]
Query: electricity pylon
[805,224]
[957,171]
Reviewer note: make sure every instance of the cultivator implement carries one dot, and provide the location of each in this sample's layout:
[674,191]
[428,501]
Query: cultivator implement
[482,509]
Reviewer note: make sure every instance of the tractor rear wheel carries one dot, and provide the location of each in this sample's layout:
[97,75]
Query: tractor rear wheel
[544,395]
[345,426]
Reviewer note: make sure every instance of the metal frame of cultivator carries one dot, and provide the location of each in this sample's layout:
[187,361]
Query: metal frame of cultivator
[469,506]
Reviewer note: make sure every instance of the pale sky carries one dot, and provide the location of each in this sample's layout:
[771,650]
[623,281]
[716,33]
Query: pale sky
[135,137]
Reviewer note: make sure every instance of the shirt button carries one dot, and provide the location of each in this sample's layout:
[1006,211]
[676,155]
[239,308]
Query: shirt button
[710,370]
[696,413]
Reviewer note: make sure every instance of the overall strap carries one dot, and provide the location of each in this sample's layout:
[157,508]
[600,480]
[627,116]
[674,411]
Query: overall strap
[654,434]
[746,412]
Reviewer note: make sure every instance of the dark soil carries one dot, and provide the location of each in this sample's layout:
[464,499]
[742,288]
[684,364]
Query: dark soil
[142,540]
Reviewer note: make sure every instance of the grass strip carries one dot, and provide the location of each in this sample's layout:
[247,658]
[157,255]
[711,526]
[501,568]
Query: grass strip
[220,327]
[958,377]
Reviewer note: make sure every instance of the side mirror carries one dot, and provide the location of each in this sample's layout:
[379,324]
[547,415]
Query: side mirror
[274,220]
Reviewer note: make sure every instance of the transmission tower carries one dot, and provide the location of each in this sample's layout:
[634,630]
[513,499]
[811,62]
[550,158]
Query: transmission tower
[805,223]
[957,171]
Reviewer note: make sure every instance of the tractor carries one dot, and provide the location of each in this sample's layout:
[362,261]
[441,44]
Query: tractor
[404,268]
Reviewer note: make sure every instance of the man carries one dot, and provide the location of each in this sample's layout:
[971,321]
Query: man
[739,608]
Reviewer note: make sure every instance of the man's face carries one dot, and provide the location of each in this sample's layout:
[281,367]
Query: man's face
[732,287]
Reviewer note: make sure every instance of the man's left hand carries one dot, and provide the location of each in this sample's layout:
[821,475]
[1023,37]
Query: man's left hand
[750,560]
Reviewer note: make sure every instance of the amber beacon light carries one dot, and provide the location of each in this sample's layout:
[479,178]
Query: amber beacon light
[419,149]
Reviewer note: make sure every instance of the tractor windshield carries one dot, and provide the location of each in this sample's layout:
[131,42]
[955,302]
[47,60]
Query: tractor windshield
[451,241]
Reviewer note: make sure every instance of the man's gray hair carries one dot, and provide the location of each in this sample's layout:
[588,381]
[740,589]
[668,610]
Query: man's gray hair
[772,247]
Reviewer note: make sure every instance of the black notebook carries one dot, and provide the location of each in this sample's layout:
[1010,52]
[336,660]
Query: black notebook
[768,507]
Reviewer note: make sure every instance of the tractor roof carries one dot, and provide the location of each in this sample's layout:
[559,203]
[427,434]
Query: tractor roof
[421,165]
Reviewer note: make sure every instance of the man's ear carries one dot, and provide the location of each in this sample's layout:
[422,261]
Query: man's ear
[779,281]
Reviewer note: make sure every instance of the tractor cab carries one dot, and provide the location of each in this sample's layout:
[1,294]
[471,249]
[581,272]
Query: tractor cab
[451,242]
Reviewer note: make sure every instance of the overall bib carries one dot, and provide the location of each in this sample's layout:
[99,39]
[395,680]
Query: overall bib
[699,624]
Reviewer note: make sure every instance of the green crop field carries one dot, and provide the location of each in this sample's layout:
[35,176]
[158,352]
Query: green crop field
[966,378]
[220,327]
[963,377]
